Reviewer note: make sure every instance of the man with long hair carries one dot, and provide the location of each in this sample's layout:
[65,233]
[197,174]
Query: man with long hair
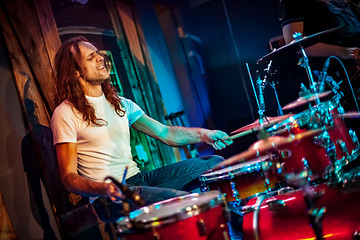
[91,134]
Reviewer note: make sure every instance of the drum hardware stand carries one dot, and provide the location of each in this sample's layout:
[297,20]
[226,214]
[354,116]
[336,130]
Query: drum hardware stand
[269,75]
[304,62]
[260,101]
[261,106]
[310,197]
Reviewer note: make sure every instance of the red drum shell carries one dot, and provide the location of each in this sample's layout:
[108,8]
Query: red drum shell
[248,178]
[340,221]
[315,155]
[172,219]
[340,132]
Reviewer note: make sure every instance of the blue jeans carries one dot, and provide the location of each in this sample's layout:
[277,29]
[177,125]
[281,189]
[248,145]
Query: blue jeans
[160,184]
[183,175]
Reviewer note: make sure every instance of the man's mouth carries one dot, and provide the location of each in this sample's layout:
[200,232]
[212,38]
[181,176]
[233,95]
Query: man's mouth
[102,67]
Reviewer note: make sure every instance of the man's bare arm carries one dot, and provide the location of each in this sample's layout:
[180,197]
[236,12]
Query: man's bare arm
[178,136]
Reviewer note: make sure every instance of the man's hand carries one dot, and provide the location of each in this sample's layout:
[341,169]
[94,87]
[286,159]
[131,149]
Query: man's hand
[351,53]
[114,193]
[216,138]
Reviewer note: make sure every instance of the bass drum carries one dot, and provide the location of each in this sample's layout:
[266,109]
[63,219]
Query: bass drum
[195,216]
[285,216]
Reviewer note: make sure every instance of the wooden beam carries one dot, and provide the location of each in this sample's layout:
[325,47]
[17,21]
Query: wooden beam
[37,120]
[6,229]
[24,21]
[146,80]
[24,81]
[48,28]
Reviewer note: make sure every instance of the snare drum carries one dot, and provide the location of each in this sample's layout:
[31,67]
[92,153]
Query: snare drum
[310,155]
[244,180]
[195,216]
[286,216]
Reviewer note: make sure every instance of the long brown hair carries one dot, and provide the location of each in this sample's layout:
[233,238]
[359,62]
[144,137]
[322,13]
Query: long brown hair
[69,87]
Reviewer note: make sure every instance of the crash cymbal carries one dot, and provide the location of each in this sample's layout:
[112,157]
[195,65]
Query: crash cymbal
[348,115]
[265,147]
[295,45]
[267,122]
[303,100]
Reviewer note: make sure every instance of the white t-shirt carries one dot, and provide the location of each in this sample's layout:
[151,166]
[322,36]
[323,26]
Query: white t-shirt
[102,150]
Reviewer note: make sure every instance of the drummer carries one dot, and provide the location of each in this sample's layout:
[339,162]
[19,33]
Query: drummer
[312,16]
[91,136]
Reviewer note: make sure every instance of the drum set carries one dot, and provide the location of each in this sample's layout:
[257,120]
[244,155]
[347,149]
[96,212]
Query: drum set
[300,180]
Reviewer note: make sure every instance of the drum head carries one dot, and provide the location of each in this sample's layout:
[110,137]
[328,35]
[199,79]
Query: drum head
[175,209]
[235,170]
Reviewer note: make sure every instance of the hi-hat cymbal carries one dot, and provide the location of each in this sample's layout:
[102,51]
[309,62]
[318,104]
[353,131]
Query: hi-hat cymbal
[267,122]
[264,147]
[303,100]
[296,45]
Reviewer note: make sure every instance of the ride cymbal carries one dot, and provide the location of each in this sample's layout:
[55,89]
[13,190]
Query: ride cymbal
[307,99]
[296,45]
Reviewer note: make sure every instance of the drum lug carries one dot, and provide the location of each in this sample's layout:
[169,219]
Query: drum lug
[203,186]
[285,153]
[307,172]
[246,210]
[276,204]
[329,147]
[344,149]
[354,137]
[201,227]
[234,190]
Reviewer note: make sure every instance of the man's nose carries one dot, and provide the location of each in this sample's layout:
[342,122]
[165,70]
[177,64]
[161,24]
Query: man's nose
[99,57]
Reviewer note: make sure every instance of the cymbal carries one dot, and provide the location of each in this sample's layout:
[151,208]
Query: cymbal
[265,147]
[295,45]
[303,100]
[348,115]
[268,121]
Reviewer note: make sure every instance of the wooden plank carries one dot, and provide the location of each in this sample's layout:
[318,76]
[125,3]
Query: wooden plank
[25,22]
[152,83]
[48,28]
[6,229]
[39,141]
[150,89]
[24,81]
[125,54]
[131,74]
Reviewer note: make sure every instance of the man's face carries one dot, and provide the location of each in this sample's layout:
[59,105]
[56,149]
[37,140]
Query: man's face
[92,66]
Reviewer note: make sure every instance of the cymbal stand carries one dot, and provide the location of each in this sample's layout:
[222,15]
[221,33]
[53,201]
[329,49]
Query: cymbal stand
[304,62]
[261,107]
[269,75]
[315,214]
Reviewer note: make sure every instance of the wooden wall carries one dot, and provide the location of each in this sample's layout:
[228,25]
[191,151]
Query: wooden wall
[31,37]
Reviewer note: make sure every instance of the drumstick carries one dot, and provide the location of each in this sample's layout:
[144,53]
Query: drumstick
[235,136]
